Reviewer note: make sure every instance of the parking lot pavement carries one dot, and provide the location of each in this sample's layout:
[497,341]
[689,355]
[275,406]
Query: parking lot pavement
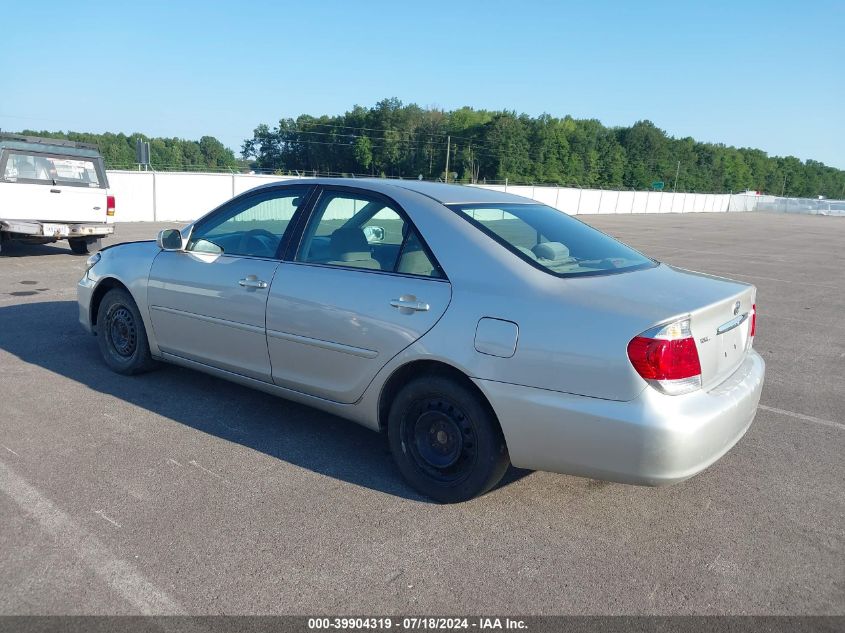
[178,492]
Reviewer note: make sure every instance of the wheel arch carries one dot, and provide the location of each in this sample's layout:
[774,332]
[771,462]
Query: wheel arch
[106,284]
[409,371]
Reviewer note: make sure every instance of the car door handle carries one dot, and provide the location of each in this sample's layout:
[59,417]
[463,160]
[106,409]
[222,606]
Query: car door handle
[409,303]
[55,190]
[252,281]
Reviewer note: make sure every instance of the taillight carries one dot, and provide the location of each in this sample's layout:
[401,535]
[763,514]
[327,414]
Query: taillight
[753,321]
[667,358]
[109,206]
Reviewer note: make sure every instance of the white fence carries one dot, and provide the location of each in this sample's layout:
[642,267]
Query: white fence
[813,206]
[182,197]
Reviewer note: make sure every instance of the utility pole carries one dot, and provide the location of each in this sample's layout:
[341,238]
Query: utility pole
[448,147]
[783,189]
[677,171]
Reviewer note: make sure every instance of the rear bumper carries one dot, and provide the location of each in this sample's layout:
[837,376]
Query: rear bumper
[36,229]
[652,440]
[90,230]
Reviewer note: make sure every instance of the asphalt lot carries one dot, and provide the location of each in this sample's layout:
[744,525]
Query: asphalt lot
[175,492]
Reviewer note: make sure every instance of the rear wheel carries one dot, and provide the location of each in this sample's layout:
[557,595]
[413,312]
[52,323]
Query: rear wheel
[445,440]
[121,334]
[84,245]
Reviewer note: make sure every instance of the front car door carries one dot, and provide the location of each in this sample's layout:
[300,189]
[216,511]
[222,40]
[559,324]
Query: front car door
[208,302]
[361,287]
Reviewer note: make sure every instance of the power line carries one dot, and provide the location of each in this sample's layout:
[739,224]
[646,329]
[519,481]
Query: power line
[370,129]
[425,140]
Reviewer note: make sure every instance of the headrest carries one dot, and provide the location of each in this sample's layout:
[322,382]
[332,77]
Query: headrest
[527,252]
[551,250]
[349,244]
[416,262]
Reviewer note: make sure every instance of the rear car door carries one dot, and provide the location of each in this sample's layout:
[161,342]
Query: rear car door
[208,302]
[360,287]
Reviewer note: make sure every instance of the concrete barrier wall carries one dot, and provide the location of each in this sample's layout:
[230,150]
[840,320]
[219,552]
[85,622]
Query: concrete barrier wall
[183,197]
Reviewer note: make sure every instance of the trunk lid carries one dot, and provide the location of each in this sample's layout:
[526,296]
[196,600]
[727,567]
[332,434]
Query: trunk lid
[620,307]
[722,331]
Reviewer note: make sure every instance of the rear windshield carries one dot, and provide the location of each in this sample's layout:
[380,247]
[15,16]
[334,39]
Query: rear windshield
[51,169]
[551,240]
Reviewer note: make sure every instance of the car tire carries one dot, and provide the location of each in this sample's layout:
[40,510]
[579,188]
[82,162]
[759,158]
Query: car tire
[121,334]
[445,440]
[79,245]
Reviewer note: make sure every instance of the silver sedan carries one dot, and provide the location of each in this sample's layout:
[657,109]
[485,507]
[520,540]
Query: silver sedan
[474,328]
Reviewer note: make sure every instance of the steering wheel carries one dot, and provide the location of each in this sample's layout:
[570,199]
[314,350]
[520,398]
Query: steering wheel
[256,235]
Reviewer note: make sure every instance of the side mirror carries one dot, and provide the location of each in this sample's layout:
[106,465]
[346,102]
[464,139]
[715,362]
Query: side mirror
[374,234]
[169,240]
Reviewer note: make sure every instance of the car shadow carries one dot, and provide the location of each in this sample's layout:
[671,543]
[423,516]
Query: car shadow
[21,249]
[285,430]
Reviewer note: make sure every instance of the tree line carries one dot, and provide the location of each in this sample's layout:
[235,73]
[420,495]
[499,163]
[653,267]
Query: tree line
[118,150]
[397,140]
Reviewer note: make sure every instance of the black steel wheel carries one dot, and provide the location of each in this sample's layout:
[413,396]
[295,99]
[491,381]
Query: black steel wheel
[122,337]
[121,330]
[440,438]
[445,440]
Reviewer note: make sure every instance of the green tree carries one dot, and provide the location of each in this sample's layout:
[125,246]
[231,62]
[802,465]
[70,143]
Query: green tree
[363,152]
[400,140]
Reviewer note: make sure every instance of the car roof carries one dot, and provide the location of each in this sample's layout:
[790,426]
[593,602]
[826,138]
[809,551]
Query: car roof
[439,191]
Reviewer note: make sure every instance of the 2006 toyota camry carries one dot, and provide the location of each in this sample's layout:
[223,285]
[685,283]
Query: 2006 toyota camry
[475,328]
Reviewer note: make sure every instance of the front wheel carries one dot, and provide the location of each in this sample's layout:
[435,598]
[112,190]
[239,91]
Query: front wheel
[445,440]
[121,334]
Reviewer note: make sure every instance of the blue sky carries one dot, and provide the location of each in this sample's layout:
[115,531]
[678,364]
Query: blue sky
[758,74]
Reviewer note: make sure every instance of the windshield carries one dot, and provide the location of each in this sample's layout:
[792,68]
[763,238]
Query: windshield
[551,240]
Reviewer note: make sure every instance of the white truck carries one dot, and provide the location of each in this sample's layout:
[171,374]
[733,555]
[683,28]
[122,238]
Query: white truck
[53,190]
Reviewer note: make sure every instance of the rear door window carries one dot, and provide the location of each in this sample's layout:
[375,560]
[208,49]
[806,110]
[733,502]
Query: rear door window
[355,230]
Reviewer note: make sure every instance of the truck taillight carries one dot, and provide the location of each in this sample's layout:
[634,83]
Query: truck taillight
[667,358]
[109,206]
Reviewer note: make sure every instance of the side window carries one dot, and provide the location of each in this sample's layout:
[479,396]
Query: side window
[352,230]
[358,231]
[414,260]
[252,227]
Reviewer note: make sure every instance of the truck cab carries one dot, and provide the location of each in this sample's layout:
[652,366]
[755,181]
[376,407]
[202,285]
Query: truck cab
[52,190]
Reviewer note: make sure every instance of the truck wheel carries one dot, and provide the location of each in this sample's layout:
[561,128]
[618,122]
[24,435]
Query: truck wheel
[445,441]
[121,334]
[79,245]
